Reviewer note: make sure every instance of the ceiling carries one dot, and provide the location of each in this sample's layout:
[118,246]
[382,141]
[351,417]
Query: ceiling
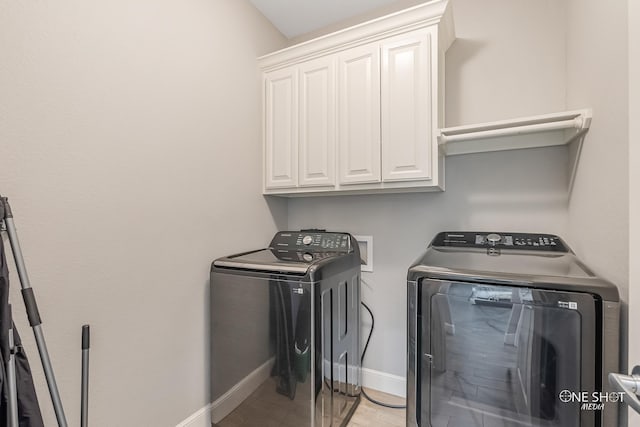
[296,17]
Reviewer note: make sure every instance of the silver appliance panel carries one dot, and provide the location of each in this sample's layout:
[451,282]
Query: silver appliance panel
[286,349]
[522,300]
[483,355]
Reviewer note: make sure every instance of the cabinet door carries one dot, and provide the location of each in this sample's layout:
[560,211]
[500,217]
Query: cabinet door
[281,128]
[317,123]
[407,106]
[359,115]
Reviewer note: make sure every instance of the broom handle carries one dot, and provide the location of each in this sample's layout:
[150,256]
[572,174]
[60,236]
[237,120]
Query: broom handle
[84,404]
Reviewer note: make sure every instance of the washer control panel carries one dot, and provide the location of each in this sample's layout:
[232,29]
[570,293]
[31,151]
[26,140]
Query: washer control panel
[501,240]
[312,241]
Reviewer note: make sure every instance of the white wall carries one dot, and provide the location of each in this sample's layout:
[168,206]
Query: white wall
[502,65]
[597,76]
[130,146]
[634,191]
[508,60]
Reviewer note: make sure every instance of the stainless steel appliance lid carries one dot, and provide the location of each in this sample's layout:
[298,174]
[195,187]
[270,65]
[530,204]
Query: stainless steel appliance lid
[544,268]
[292,252]
[273,260]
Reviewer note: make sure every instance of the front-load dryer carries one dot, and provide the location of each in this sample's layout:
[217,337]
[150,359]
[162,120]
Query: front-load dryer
[510,330]
[285,333]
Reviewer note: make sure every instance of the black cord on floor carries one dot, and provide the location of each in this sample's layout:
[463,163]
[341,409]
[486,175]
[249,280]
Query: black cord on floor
[370,399]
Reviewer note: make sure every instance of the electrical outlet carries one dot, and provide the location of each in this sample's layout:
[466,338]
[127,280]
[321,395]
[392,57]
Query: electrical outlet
[365,244]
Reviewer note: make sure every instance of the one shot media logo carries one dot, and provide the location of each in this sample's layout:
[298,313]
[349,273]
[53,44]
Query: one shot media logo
[591,401]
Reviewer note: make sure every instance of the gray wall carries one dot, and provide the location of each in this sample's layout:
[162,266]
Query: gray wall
[130,146]
[634,189]
[598,76]
[502,65]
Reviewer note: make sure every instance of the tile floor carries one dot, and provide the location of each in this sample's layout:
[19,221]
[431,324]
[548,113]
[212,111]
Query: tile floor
[371,415]
[259,411]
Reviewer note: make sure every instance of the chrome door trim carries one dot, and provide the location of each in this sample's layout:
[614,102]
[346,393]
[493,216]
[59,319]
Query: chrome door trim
[412,349]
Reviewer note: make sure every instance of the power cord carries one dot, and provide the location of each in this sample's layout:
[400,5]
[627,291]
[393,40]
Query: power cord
[370,399]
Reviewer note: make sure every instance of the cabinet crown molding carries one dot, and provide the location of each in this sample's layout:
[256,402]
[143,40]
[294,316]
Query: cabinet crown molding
[423,15]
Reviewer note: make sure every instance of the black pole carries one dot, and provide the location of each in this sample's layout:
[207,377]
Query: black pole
[84,395]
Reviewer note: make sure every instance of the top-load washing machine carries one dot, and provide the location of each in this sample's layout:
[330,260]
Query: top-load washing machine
[509,329]
[285,332]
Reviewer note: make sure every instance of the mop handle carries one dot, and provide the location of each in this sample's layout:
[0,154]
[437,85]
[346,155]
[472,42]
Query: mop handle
[32,311]
[84,395]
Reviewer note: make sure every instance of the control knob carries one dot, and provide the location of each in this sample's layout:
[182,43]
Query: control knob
[307,240]
[493,238]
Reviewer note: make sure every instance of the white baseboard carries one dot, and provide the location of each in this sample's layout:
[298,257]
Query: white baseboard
[216,411]
[381,381]
[229,401]
[225,404]
[200,418]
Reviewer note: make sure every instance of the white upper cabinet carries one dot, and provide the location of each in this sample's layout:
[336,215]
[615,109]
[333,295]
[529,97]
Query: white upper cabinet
[359,115]
[317,136]
[358,111]
[281,128]
[407,128]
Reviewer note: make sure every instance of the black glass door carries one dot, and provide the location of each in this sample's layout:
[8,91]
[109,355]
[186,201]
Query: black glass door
[500,356]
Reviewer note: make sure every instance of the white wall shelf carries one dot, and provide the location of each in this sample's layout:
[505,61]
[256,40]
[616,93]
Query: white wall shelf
[549,130]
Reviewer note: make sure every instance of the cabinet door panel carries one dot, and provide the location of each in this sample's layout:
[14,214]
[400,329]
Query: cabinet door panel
[281,128]
[317,123]
[406,107]
[359,115]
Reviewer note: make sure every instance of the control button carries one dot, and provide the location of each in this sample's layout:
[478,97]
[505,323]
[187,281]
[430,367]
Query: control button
[307,257]
[307,240]
[493,238]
